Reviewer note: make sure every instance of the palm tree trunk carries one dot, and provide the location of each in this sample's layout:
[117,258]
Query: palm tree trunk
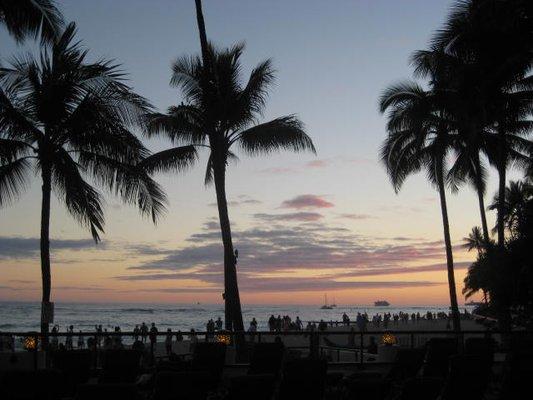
[483,215]
[481,201]
[501,189]
[449,255]
[45,246]
[202,32]
[233,312]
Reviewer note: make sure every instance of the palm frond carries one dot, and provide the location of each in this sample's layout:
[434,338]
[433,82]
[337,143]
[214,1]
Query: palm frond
[24,18]
[182,125]
[130,182]
[13,180]
[175,159]
[284,133]
[82,201]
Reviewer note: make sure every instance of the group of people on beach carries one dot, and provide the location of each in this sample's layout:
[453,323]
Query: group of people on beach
[284,323]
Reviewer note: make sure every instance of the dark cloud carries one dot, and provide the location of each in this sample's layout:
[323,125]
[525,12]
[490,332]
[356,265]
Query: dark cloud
[243,200]
[20,247]
[340,258]
[297,216]
[307,201]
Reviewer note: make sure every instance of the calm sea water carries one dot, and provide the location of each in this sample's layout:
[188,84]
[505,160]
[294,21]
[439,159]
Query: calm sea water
[18,316]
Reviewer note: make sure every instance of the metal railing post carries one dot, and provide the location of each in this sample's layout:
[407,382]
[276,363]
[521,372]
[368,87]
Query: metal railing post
[361,343]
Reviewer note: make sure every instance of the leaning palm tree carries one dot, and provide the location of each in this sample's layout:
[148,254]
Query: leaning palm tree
[220,113]
[70,120]
[419,139]
[23,18]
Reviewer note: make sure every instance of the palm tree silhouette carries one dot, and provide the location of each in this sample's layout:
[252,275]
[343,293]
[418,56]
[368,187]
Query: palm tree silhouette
[517,195]
[451,77]
[220,113]
[419,138]
[23,18]
[495,37]
[70,120]
[475,240]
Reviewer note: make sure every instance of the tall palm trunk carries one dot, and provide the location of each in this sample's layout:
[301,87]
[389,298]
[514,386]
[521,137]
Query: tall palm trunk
[449,254]
[481,199]
[484,226]
[233,312]
[45,245]
[501,188]
[202,32]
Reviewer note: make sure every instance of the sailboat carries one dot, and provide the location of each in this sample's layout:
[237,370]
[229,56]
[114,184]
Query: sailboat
[334,304]
[326,306]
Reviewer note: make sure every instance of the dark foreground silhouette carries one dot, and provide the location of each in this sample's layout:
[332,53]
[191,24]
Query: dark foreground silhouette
[444,368]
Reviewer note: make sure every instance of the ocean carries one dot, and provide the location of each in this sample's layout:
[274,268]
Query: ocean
[25,316]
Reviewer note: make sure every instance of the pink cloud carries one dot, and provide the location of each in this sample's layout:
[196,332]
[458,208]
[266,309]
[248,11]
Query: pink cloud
[307,201]
[317,164]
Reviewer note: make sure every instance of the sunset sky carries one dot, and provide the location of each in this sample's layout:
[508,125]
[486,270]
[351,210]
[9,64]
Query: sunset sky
[304,225]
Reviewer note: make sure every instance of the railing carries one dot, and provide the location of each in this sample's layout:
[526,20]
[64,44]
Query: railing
[313,343]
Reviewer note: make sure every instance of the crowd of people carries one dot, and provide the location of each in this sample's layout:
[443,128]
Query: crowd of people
[147,334]
[284,323]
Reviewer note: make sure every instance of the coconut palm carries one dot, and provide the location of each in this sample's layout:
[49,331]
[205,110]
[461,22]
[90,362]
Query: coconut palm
[219,116]
[451,77]
[517,196]
[475,240]
[419,139]
[69,120]
[23,18]
[495,36]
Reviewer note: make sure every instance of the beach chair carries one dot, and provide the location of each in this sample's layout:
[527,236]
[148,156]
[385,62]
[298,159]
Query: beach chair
[266,358]
[304,379]
[76,367]
[467,379]
[438,353]
[107,391]
[120,366]
[190,385]
[46,384]
[257,387]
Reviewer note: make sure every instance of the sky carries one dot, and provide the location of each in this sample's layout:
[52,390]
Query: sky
[304,225]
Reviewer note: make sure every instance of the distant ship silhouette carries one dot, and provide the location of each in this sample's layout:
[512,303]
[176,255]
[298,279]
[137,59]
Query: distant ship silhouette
[381,303]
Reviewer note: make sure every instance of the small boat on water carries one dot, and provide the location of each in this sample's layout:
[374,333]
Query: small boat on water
[334,304]
[326,306]
[381,303]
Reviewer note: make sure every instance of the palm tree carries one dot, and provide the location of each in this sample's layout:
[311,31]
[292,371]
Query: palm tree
[475,240]
[70,120]
[517,196]
[23,18]
[494,36]
[218,118]
[451,77]
[419,138]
